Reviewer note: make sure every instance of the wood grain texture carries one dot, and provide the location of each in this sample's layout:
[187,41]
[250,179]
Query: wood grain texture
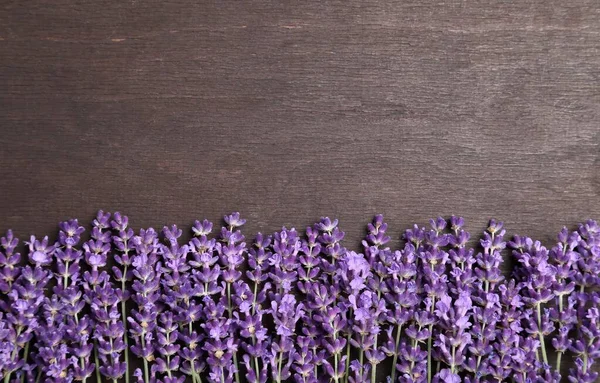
[176,110]
[172,111]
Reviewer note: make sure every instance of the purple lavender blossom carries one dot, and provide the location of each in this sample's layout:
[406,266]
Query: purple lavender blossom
[9,262]
[143,319]
[433,260]
[537,278]
[231,255]
[298,308]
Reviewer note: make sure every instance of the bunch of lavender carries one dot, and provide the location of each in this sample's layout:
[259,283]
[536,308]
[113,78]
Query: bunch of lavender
[306,309]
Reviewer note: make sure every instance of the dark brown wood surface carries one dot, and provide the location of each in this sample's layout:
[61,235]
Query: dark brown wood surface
[171,111]
[176,110]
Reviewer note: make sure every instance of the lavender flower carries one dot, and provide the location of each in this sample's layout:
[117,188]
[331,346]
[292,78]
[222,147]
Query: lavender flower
[9,262]
[587,348]
[231,255]
[487,310]
[537,277]
[251,326]
[402,299]
[122,245]
[220,345]
[454,320]
[302,309]
[434,278]
[142,320]
[286,312]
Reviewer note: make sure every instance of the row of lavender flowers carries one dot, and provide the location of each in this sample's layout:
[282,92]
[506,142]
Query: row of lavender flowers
[294,307]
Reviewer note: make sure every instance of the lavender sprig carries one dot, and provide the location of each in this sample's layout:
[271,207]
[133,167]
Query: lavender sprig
[122,246]
[143,319]
[231,255]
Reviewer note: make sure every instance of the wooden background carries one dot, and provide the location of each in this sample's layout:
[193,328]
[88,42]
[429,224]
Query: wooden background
[176,110]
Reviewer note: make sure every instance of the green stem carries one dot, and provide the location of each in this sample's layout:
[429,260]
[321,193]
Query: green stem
[195,376]
[347,373]
[585,355]
[361,354]
[559,354]
[395,358]
[374,366]
[13,354]
[66,276]
[415,344]
[26,354]
[124,315]
[373,373]
[335,361]
[429,343]
[279,367]
[256,368]
[98,378]
[254,358]
[480,356]
[168,364]
[254,299]
[230,310]
[81,358]
[543,344]
[143,340]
